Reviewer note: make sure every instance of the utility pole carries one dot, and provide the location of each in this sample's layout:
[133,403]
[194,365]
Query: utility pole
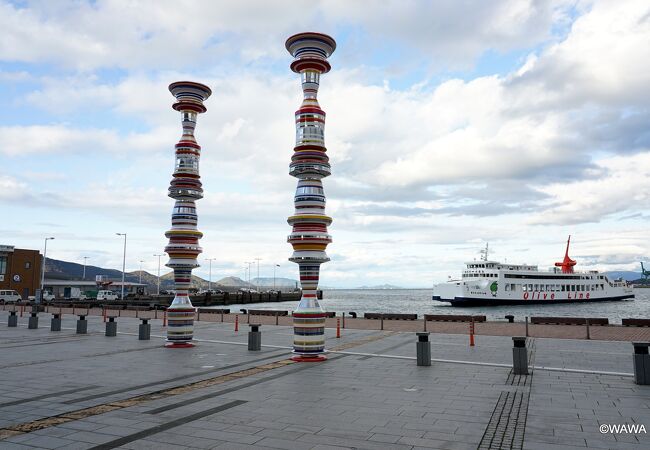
[140,277]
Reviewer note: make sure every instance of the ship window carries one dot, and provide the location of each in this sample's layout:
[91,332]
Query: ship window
[507,287]
[573,288]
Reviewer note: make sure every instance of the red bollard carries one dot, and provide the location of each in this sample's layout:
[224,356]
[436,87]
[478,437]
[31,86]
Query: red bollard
[165,319]
[471,333]
[104,313]
[22,308]
[338,327]
[236,322]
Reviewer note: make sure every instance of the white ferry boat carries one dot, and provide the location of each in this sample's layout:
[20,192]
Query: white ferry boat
[488,282]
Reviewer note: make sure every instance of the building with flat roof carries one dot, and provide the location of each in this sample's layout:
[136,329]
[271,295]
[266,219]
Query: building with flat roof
[68,288]
[20,270]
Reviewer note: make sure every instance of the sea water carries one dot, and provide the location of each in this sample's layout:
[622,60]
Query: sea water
[419,301]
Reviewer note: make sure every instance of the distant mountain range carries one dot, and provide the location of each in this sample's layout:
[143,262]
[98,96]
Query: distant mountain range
[625,274]
[381,286]
[64,270]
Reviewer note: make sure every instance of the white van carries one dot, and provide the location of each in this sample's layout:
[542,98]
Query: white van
[9,297]
[106,295]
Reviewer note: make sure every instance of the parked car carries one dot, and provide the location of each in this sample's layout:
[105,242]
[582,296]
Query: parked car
[106,295]
[47,296]
[10,296]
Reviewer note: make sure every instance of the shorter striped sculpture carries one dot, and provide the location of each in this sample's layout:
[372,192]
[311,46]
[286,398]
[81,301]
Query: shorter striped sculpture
[185,188]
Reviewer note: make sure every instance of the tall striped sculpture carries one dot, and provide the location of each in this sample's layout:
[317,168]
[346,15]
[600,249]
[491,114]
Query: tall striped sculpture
[309,164]
[185,189]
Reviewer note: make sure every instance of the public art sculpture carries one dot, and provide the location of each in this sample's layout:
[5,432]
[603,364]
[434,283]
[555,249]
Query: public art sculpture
[309,164]
[185,188]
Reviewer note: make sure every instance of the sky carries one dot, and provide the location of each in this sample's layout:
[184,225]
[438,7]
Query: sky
[450,124]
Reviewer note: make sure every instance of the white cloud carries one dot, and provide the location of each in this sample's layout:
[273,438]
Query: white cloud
[623,186]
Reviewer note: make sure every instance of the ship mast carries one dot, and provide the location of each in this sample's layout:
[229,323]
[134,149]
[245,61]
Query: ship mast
[484,252]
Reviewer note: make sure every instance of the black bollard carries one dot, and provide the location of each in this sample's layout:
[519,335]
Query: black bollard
[144,331]
[82,325]
[254,337]
[641,363]
[111,327]
[519,356]
[55,324]
[423,349]
[13,319]
[33,321]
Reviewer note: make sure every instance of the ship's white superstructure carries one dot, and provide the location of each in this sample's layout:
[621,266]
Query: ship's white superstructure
[488,282]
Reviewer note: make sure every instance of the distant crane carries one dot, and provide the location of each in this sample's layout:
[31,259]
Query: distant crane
[568,263]
[645,273]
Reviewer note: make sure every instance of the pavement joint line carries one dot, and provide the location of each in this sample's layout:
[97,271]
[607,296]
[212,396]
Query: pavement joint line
[70,416]
[40,397]
[166,426]
[487,364]
[169,380]
[229,390]
[383,350]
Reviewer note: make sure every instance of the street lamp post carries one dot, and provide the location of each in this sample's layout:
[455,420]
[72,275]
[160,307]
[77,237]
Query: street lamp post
[274,266]
[123,263]
[140,277]
[249,271]
[257,283]
[210,276]
[43,265]
[84,275]
[158,293]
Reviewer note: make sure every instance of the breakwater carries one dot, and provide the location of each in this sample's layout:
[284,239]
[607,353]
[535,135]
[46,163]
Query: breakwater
[163,301]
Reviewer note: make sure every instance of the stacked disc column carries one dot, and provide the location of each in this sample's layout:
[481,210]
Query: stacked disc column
[185,188]
[310,164]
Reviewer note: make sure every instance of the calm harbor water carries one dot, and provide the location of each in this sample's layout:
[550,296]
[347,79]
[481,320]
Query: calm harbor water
[419,301]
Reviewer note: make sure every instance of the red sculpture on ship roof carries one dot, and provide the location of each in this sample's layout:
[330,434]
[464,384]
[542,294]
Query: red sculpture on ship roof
[568,263]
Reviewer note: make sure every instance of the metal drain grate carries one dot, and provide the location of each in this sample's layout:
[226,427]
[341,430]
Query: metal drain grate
[508,422]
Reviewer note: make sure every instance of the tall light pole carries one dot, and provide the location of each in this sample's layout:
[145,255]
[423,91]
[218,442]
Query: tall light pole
[249,271]
[123,263]
[210,276]
[84,275]
[43,265]
[158,293]
[274,266]
[257,284]
[140,277]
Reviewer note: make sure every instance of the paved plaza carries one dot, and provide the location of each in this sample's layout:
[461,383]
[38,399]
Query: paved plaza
[65,390]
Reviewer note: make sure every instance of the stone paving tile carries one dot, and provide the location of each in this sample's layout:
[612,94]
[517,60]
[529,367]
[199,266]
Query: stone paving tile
[346,402]
[48,442]
[90,437]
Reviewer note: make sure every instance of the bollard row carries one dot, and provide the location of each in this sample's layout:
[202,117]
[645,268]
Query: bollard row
[641,356]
